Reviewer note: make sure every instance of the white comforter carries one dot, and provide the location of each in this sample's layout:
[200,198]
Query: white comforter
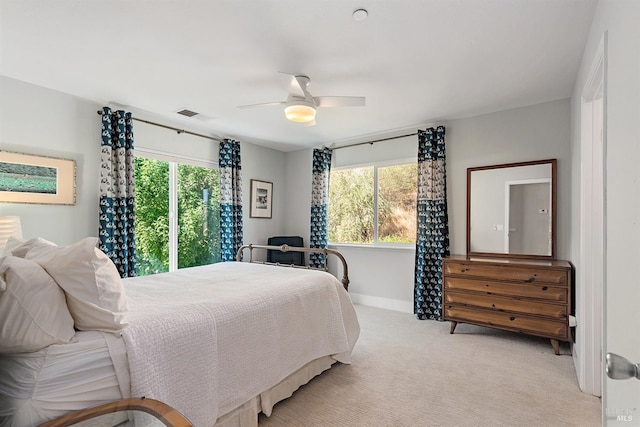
[215,336]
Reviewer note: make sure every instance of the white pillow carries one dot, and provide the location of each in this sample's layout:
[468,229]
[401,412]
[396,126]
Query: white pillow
[12,243]
[33,310]
[90,280]
[21,249]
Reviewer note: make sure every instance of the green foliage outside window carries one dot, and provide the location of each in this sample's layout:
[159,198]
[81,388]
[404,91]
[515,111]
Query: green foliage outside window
[397,201]
[352,210]
[198,216]
[152,216]
[351,205]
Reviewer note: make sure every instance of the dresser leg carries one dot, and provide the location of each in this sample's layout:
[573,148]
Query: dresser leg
[453,327]
[556,346]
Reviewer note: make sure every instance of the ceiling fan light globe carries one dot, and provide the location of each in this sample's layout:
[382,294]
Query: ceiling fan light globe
[300,113]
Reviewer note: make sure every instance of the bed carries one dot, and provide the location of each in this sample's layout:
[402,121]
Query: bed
[218,343]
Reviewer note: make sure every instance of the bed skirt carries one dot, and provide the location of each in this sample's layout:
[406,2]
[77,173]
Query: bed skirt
[247,414]
[41,397]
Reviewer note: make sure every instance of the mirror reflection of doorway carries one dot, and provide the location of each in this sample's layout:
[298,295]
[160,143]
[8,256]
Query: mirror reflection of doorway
[528,210]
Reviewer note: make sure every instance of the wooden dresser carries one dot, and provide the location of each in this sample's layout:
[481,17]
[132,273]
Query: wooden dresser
[522,295]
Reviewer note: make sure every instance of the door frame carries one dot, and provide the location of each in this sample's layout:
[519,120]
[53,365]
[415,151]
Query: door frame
[591,273]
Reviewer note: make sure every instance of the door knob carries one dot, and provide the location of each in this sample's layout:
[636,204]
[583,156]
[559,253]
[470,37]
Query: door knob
[619,368]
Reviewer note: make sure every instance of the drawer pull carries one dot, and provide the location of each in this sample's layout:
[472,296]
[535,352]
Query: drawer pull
[544,288]
[512,318]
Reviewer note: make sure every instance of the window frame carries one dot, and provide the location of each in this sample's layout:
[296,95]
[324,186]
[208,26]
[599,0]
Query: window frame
[376,165]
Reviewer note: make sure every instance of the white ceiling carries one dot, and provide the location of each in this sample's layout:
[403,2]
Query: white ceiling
[417,62]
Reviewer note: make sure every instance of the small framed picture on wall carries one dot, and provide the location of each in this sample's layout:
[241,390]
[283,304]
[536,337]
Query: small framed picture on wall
[261,199]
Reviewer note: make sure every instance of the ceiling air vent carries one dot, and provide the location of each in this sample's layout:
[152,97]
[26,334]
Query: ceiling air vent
[187,113]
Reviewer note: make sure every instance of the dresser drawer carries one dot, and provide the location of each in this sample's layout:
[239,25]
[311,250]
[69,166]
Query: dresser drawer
[539,308]
[526,275]
[515,322]
[490,287]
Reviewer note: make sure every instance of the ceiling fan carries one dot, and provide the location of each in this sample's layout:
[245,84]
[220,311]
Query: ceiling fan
[300,105]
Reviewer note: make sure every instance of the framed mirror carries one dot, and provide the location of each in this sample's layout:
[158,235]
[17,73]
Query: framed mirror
[511,210]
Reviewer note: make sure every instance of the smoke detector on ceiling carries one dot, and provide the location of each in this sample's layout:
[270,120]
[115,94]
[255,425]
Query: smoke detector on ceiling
[360,15]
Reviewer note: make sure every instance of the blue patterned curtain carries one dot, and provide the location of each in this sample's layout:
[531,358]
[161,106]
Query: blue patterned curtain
[230,200]
[432,240]
[117,186]
[319,203]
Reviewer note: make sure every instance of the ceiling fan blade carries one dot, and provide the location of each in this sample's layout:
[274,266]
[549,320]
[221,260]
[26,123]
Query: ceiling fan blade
[339,101]
[265,104]
[302,82]
[294,85]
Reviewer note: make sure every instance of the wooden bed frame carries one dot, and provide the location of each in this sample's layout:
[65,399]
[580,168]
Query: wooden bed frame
[286,248]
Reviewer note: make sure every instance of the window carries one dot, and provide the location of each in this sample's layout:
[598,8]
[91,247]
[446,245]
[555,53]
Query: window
[177,215]
[397,201]
[373,204]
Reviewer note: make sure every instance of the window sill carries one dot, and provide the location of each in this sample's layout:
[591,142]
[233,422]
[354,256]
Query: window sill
[407,248]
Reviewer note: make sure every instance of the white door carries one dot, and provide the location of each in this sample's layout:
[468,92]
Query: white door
[610,250]
[621,397]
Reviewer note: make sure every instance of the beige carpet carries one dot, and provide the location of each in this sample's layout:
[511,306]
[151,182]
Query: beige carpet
[408,372]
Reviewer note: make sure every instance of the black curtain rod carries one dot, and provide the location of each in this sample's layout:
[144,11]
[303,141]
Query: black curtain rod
[374,141]
[171,128]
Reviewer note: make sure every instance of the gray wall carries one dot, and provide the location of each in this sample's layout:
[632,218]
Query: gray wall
[38,121]
[41,121]
[384,277]
[530,133]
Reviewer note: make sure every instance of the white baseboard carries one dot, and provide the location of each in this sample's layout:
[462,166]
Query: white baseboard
[387,303]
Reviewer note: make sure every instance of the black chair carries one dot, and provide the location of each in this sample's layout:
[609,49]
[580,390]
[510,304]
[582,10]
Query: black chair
[295,258]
